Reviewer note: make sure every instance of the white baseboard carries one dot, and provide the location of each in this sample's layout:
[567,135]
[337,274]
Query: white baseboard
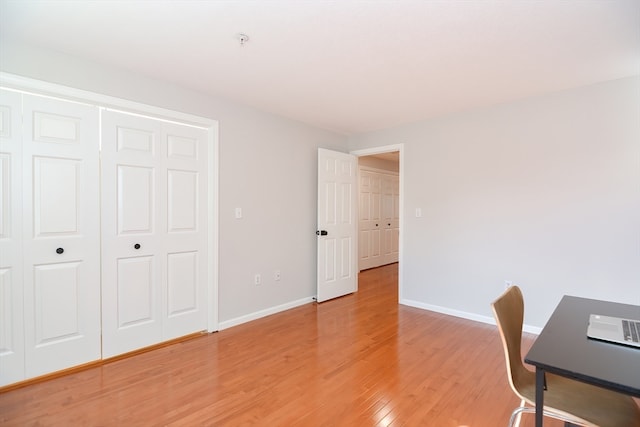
[463,314]
[263,313]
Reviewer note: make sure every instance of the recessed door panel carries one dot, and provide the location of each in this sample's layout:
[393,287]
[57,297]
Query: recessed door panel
[7,327]
[6,196]
[365,205]
[182,281]
[56,303]
[55,194]
[376,244]
[5,116]
[363,245]
[135,199]
[179,147]
[346,252]
[330,260]
[135,141]
[55,128]
[182,201]
[330,203]
[346,207]
[136,289]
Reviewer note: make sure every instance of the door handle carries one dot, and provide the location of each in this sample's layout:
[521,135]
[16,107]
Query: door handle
[59,251]
[136,246]
[321,233]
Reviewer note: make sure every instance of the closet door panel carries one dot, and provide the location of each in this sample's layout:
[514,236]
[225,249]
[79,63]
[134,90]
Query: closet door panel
[370,224]
[185,304]
[11,288]
[154,192]
[61,234]
[131,245]
[135,204]
[136,292]
[391,220]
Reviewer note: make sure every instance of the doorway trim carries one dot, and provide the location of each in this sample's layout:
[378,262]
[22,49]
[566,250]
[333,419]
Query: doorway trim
[387,149]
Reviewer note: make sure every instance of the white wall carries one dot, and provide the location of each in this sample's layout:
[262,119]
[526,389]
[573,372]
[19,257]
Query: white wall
[267,167]
[544,192]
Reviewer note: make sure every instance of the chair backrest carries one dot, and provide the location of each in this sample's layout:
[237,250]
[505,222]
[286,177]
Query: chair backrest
[508,311]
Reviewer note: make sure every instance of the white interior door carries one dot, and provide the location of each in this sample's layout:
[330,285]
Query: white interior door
[337,224]
[154,232]
[11,289]
[61,231]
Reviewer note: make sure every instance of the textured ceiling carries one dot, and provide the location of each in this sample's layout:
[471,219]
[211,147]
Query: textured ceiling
[349,66]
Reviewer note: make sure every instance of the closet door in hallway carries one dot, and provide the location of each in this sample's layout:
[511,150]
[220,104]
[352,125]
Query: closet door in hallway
[370,223]
[154,232]
[390,208]
[379,223]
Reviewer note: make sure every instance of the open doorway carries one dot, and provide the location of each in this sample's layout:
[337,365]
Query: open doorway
[378,209]
[380,178]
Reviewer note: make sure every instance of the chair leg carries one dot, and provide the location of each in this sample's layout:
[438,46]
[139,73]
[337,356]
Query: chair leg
[519,416]
[516,415]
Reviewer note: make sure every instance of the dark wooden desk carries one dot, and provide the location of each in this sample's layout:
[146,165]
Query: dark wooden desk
[563,348]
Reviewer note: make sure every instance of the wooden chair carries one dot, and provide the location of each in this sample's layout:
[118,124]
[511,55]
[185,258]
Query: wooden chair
[571,401]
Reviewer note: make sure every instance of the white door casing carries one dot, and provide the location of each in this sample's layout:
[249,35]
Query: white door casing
[61,229]
[337,210]
[154,186]
[11,277]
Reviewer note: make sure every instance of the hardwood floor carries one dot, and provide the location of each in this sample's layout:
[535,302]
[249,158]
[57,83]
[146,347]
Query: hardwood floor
[360,360]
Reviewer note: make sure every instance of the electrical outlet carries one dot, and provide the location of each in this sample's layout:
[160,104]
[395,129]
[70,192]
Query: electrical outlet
[257,279]
[276,275]
[508,284]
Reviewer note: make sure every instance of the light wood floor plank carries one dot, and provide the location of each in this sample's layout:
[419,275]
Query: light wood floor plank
[360,360]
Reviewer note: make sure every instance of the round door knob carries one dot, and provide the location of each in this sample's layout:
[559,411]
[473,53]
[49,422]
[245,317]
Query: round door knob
[376,225]
[389,224]
[136,246]
[59,250]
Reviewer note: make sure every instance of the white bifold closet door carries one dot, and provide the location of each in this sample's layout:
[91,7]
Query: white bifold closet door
[390,208]
[379,222]
[50,268]
[370,227]
[61,229]
[154,231]
[11,288]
